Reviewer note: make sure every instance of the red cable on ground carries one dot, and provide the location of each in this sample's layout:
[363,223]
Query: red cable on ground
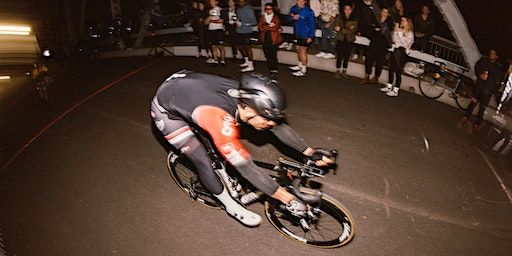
[71,109]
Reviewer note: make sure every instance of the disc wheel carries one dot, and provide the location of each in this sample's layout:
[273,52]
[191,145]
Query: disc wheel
[334,226]
[429,87]
[184,173]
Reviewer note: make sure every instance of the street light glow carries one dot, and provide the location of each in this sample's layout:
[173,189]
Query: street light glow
[5,77]
[14,30]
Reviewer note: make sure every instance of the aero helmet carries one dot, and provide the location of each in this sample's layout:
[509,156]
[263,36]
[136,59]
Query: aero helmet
[263,94]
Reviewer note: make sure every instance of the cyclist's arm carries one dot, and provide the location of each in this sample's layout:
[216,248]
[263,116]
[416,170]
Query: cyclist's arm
[289,137]
[221,126]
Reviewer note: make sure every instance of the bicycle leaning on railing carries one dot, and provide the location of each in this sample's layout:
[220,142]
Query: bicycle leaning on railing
[328,223]
[434,82]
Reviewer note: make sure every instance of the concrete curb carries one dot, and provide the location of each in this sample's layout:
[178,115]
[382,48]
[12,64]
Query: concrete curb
[409,84]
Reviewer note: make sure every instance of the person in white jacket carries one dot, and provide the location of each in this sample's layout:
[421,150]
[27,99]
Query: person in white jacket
[403,38]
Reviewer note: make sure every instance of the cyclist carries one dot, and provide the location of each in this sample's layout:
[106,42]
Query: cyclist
[39,72]
[41,79]
[219,106]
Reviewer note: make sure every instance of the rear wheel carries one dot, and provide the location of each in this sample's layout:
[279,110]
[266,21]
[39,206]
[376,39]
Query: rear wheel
[429,87]
[184,173]
[333,227]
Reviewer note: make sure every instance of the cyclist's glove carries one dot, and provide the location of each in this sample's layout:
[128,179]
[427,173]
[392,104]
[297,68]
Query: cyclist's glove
[319,153]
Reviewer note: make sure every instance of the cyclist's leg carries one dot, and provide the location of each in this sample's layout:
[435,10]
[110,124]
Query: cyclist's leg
[484,101]
[179,135]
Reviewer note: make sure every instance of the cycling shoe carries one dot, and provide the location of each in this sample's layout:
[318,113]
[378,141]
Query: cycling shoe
[245,216]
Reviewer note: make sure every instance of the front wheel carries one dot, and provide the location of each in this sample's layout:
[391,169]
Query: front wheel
[332,226]
[428,85]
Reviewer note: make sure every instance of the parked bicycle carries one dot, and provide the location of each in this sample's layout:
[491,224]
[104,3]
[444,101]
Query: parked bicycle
[433,83]
[328,223]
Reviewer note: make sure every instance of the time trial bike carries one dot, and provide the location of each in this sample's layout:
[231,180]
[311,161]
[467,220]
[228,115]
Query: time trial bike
[328,224]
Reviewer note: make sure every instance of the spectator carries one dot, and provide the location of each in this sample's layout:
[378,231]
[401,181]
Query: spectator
[366,15]
[158,20]
[315,5]
[398,11]
[346,26]
[423,29]
[304,26]
[380,42]
[329,9]
[284,10]
[230,24]
[216,34]
[199,14]
[488,76]
[403,38]
[246,20]
[269,27]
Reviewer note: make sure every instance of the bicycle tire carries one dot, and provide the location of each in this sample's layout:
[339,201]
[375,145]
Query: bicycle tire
[428,86]
[462,102]
[184,173]
[334,228]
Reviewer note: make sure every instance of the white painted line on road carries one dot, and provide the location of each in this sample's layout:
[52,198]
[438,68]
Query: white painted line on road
[426,213]
[500,180]
[425,140]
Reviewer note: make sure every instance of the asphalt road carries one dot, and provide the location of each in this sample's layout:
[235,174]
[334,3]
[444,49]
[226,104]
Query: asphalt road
[94,182]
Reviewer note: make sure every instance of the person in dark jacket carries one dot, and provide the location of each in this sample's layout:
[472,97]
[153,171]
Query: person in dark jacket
[270,27]
[346,26]
[230,19]
[199,14]
[380,42]
[489,76]
[304,26]
[423,29]
[366,12]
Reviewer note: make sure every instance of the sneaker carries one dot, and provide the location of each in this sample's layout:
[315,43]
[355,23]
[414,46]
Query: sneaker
[393,93]
[387,88]
[283,45]
[247,69]
[297,208]
[210,61]
[289,47]
[320,54]
[296,68]
[337,75]
[222,63]
[299,73]
[329,56]
[274,71]
[245,64]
